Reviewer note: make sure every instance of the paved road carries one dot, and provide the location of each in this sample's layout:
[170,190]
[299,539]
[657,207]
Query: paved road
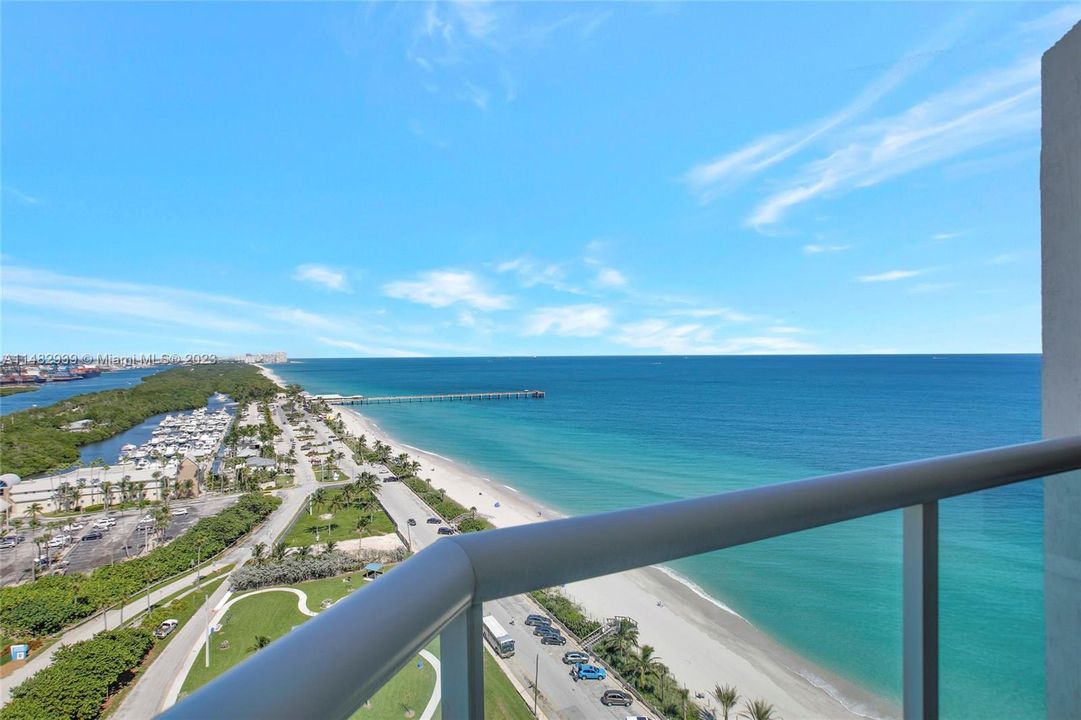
[559,695]
[154,690]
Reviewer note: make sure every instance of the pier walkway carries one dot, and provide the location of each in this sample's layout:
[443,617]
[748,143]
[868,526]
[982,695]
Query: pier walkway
[445,397]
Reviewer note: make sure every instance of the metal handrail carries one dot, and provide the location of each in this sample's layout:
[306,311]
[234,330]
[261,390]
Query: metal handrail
[332,664]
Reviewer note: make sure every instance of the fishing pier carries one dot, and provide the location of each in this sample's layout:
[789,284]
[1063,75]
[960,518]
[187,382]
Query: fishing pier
[443,397]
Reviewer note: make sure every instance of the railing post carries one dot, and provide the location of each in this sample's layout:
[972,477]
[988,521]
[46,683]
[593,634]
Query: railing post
[462,665]
[920,624]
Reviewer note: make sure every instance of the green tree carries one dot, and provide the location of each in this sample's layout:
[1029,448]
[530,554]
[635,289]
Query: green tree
[759,710]
[261,641]
[726,697]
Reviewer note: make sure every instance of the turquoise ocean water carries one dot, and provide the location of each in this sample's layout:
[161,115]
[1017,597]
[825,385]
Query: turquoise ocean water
[624,431]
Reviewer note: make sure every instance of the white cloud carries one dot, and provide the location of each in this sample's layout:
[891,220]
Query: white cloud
[440,288]
[532,272]
[723,313]
[1056,22]
[572,320]
[712,178]
[787,330]
[19,195]
[1004,259]
[610,278]
[814,249]
[695,339]
[947,235]
[975,112]
[889,276]
[368,349]
[323,276]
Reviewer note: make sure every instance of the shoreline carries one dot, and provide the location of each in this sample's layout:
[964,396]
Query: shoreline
[703,641]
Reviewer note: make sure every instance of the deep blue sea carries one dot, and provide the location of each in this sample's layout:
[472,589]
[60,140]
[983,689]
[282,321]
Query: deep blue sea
[625,431]
[49,393]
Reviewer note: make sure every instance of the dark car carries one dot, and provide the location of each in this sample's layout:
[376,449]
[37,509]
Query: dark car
[433,521]
[411,521]
[537,620]
[544,630]
[553,638]
[445,531]
[93,535]
[574,657]
[616,697]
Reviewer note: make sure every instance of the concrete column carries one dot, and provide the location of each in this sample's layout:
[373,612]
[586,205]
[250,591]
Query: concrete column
[1060,214]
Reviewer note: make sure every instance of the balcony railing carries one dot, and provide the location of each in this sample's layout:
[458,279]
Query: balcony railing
[332,664]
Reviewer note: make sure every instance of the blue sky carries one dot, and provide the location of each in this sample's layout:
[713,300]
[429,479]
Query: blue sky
[497,179]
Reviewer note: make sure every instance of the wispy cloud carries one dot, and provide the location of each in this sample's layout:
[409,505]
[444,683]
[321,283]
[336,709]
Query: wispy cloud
[368,350]
[24,198]
[710,179]
[441,288]
[1004,259]
[323,276]
[788,330]
[948,235]
[976,112]
[531,273]
[890,276]
[723,313]
[610,278]
[661,336]
[571,320]
[815,249]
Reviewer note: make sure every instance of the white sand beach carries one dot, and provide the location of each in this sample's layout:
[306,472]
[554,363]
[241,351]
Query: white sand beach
[703,643]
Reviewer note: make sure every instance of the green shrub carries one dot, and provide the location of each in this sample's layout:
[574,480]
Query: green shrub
[80,677]
[566,611]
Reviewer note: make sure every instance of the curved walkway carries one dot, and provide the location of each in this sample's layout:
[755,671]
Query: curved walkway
[302,606]
[302,599]
[437,693]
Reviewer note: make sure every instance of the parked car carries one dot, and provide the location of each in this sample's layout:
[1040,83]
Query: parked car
[73,526]
[582,671]
[93,535]
[574,657]
[411,521]
[537,620]
[433,521]
[616,697]
[7,544]
[55,543]
[544,630]
[445,530]
[165,628]
[553,638]
[179,511]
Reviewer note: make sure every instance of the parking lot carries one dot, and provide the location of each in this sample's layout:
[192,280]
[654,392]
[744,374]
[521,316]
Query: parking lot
[120,542]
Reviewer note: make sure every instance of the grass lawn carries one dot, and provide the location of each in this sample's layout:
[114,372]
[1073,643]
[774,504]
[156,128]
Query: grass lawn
[270,614]
[410,689]
[16,389]
[275,614]
[337,476]
[342,526]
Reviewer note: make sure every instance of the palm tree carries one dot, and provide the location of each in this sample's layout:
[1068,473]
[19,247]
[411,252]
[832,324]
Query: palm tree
[319,498]
[261,641]
[727,697]
[644,663]
[331,546]
[626,635]
[161,519]
[366,483]
[759,710]
[34,509]
[106,494]
[279,551]
[258,553]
